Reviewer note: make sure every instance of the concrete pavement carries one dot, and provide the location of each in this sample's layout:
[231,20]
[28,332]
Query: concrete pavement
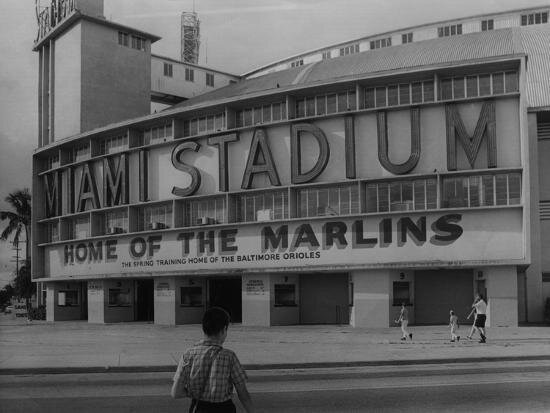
[77,346]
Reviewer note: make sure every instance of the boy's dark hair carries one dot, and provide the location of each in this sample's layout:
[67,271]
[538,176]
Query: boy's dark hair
[214,320]
[452,312]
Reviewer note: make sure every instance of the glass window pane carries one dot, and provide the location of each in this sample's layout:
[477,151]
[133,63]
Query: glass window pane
[475,190]
[511,82]
[471,86]
[458,87]
[372,198]
[428,91]
[369,98]
[498,83]
[276,108]
[342,102]
[419,195]
[247,117]
[487,190]
[383,197]
[266,113]
[345,203]
[355,204]
[380,97]
[334,200]
[331,104]
[352,101]
[393,95]
[395,195]
[312,203]
[300,108]
[501,187]
[484,85]
[417,92]
[431,194]
[321,105]
[310,107]
[404,94]
[514,188]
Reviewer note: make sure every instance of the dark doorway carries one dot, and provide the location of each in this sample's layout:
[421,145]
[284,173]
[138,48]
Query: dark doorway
[438,291]
[84,301]
[145,300]
[226,293]
[324,299]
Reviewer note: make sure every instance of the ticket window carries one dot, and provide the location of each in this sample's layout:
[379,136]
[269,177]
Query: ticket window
[401,293]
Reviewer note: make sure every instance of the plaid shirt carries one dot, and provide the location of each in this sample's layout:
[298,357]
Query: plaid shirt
[225,373]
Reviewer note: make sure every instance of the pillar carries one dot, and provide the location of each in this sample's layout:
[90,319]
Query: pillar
[502,296]
[96,301]
[371,298]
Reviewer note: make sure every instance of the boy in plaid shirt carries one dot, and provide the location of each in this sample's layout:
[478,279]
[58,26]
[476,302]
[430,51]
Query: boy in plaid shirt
[208,372]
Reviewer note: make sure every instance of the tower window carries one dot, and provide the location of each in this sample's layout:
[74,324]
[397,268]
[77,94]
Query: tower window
[168,69]
[210,79]
[189,75]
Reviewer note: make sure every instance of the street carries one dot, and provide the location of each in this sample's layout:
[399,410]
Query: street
[502,387]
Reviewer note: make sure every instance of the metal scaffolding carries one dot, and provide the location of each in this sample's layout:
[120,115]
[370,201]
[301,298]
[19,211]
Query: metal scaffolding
[190,37]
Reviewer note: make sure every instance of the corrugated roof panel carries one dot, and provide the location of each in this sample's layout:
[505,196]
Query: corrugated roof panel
[445,50]
[536,42]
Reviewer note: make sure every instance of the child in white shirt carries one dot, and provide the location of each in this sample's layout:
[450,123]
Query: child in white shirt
[453,323]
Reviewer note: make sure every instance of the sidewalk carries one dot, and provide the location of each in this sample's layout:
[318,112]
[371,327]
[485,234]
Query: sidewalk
[43,346]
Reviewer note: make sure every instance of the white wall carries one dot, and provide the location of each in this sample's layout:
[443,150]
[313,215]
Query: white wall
[371,295]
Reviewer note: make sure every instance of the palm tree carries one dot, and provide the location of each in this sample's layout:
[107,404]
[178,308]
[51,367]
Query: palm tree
[19,219]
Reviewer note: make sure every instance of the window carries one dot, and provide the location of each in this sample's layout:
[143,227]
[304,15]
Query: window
[79,228]
[81,152]
[479,85]
[155,217]
[328,201]
[511,81]
[52,232]
[205,211]
[285,295]
[452,30]
[402,94]
[413,195]
[297,63]
[168,69]
[481,190]
[261,114]
[120,297]
[351,49]
[210,123]
[138,43]
[264,206]
[326,55]
[123,39]
[158,134]
[210,79]
[67,298]
[401,293]
[116,222]
[191,296]
[52,161]
[114,144]
[487,25]
[407,38]
[380,43]
[189,75]
[534,18]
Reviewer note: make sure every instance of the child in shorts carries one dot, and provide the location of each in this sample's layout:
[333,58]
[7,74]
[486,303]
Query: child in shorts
[453,323]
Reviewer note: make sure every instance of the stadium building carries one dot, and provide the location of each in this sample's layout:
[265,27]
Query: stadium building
[326,188]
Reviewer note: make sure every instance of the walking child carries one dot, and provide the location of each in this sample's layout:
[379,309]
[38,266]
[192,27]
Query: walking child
[453,323]
[208,372]
[404,320]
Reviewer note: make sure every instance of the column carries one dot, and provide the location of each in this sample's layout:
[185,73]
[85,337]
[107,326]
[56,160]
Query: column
[502,296]
[371,298]
[165,301]
[256,300]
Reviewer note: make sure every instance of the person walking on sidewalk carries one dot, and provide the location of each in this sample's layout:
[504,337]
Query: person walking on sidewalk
[481,315]
[207,372]
[453,323]
[404,320]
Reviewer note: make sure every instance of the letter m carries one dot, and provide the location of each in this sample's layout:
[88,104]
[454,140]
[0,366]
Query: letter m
[272,241]
[52,186]
[471,144]
[115,182]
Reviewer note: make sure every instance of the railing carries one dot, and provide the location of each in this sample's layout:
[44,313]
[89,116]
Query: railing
[52,15]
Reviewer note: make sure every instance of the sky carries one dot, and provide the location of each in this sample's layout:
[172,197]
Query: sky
[236,36]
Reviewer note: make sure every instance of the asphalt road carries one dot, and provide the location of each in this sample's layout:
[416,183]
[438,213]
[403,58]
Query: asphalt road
[502,387]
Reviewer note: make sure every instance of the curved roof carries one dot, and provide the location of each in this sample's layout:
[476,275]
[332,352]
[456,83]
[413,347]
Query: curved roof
[445,51]
[471,48]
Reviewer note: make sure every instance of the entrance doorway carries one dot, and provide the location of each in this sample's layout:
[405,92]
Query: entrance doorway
[324,299]
[227,294]
[438,291]
[145,300]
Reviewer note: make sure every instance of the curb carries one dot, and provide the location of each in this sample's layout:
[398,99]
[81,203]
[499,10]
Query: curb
[273,366]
